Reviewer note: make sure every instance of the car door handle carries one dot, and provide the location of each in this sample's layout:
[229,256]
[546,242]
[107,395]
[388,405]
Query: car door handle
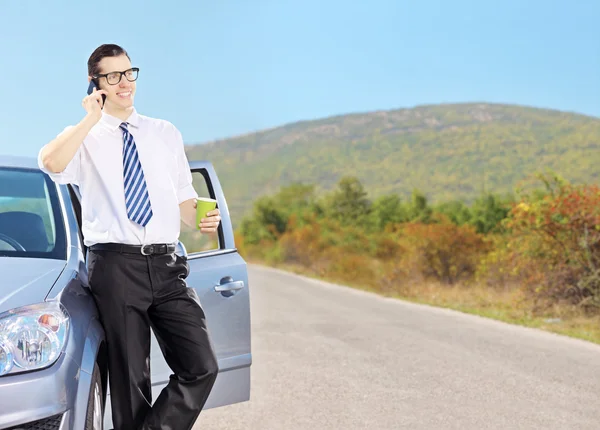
[230,286]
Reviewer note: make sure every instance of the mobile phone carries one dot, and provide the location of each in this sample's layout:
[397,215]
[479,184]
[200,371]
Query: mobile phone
[90,90]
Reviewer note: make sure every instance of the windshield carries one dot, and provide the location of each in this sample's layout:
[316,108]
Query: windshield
[31,223]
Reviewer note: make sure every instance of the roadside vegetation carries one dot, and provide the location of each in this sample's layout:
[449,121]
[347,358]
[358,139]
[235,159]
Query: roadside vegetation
[531,258]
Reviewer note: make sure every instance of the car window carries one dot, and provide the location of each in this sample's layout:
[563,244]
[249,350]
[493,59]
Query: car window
[193,240]
[31,223]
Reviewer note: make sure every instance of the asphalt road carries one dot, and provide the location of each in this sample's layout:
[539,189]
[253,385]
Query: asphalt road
[331,357]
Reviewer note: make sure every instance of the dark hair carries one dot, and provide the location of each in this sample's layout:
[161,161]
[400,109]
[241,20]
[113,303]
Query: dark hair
[106,50]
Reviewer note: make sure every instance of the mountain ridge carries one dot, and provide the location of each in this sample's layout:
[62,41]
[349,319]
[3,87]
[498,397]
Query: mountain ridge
[448,151]
[368,112]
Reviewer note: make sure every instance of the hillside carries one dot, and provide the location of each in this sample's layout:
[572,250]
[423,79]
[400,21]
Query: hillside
[446,151]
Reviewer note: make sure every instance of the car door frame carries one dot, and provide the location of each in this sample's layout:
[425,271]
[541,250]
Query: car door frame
[226,238]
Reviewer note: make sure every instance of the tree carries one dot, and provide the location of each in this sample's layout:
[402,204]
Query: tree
[253,232]
[349,203]
[486,213]
[456,211]
[268,212]
[387,209]
[419,210]
[555,241]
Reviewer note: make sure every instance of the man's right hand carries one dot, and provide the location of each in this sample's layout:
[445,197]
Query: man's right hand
[93,104]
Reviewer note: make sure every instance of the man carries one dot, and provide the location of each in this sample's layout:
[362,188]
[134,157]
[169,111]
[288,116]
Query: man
[136,186]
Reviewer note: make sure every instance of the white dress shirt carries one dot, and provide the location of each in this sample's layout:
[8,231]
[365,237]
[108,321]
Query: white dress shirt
[97,169]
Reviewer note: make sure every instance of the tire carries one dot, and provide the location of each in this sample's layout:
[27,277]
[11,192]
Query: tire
[94,417]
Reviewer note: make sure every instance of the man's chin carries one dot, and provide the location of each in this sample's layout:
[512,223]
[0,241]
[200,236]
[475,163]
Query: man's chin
[125,104]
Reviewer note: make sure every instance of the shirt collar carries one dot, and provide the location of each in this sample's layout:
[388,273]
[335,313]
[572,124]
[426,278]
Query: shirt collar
[113,123]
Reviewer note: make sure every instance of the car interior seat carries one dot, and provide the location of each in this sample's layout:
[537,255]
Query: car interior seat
[26,228]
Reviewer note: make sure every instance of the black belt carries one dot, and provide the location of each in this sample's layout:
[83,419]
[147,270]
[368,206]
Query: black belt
[158,248]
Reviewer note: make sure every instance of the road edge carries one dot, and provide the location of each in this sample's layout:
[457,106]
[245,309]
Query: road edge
[435,309]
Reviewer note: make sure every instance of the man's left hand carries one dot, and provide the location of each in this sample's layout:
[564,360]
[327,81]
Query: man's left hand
[210,223]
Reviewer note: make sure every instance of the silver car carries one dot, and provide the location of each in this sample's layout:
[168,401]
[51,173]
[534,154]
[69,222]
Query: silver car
[53,371]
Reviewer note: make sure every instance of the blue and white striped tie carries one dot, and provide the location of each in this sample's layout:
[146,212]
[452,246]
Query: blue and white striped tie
[137,200]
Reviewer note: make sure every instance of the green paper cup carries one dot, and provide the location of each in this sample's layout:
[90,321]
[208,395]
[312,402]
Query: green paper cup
[203,205]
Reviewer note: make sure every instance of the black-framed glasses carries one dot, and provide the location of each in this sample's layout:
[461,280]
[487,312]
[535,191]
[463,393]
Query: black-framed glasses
[113,78]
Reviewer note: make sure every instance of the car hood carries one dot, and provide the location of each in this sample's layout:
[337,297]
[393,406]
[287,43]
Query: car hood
[26,281]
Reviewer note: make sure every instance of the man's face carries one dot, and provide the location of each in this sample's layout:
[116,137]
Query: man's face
[120,94]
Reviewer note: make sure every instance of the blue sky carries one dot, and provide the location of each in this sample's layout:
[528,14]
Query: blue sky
[222,68]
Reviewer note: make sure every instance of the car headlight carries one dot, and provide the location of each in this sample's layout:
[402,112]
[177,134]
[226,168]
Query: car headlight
[32,337]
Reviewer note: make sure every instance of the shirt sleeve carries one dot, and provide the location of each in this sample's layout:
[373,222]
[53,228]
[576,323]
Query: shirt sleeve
[185,189]
[70,175]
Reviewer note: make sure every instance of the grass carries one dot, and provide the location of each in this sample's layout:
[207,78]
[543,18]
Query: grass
[500,304]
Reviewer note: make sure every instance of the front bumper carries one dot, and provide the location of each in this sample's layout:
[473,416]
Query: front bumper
[50,395]
[52,423]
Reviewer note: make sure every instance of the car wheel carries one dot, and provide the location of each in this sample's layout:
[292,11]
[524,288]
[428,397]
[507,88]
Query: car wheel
[94,418]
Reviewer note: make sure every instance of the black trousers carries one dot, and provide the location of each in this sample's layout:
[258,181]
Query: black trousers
[133,293]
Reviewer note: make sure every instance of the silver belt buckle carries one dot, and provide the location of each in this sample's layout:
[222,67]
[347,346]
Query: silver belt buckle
[144,246]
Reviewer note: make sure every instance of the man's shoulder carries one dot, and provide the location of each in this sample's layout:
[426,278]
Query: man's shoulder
[161,124]
[94,132]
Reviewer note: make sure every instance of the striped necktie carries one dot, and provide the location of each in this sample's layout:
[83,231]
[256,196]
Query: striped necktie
[137,200]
